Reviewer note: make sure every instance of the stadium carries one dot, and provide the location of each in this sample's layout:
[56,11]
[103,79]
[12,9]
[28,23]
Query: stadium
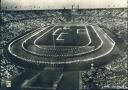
[64,49]
[52,44]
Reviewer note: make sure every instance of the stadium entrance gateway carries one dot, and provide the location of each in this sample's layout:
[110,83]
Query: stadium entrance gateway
[54,56]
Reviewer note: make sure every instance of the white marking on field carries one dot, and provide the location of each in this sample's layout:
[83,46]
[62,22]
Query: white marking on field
[42,36]
[77,47]
[54,33]
[59,37]
[69,62]
[77,54]
[10,45]
[88,36]
[34,41]
[95,48]
[81,31]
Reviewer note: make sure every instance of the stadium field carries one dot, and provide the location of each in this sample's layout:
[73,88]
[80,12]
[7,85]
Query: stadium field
[88,44]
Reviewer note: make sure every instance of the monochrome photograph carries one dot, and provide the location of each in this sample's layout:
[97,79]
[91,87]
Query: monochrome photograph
[64,44]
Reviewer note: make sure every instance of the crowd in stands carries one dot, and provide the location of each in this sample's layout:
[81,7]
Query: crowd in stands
[12,29]
[114,75]
[115,20]
[8,69]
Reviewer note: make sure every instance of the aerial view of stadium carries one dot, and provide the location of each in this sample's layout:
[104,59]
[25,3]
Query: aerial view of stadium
[64,45]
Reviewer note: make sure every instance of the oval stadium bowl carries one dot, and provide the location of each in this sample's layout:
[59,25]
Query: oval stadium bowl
[73,47]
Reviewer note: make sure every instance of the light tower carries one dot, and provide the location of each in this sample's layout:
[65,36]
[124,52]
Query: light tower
[78,7]
[74,12]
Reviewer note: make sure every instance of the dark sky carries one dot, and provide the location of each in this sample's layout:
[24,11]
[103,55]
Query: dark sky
[58,4]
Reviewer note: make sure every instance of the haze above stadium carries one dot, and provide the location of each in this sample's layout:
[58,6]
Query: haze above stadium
[60,4]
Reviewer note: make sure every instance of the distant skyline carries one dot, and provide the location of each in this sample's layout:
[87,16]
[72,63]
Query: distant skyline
[59,4]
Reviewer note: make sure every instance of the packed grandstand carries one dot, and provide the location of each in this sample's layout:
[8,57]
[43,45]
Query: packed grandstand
[17,23]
